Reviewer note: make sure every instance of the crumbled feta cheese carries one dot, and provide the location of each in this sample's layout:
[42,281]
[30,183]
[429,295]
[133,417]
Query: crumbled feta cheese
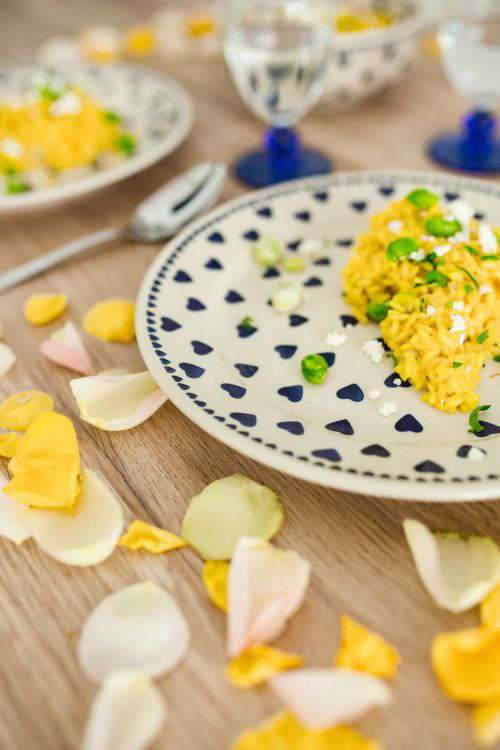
[395,226]
[461,237]
[475,454]
[387,409]
[374,350]
[287,297]
[68,104]
[430,310]
[417,255]
[311,246]
[441,250]
[11,148]
[335,338]
[374,394]
[458,324]
[485,289]
[462,338]
[458,305]
[487,239]
[397,381]
[461,211]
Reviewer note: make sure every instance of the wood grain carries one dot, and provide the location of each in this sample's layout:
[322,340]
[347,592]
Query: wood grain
[360,560]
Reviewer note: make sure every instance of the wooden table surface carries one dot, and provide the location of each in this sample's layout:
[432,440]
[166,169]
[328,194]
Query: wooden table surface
[360,560]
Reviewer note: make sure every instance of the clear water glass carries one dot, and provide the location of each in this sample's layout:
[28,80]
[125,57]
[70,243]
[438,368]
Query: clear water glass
[278,52]
[470,49]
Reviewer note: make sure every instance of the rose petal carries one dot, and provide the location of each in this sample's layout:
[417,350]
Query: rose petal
[117,401]
[258,664]
[111,320]
[139,627]
[457,571]
[127,714]
[486,724]
[65,347]
[228,509]
[467,664]
[40,309]
[19,410]
[363,650]
[87,535]
[12,525]
[57,50]
[322,698]
[142,535]
[265,587]
[490,609]
[283,732]
[8,444]
[7,359]
[214,576]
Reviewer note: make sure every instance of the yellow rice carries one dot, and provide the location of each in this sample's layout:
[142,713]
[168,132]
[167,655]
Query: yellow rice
[423,346]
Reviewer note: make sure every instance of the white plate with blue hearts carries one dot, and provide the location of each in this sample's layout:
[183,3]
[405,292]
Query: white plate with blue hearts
[153,107]
[243,383]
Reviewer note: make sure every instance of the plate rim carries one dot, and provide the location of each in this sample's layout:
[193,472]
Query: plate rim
[40,199]
[394,489]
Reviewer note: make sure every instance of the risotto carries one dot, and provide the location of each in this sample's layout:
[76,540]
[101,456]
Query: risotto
[430,275]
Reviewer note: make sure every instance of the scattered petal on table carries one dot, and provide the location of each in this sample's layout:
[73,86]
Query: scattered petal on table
[258,664]
[127,714]
[18,411]
[486,724]
[283,732]
[322,698]
[86,536]
[65,347]
[117,401]
[142,535]
[12,525]
[139,627]
[40,309]
[366,651]
[111,320]
[266,586]
[59,49]
[7,359]
[214,576]
[101,44]
[8,444]
[490,609]
[46,467]
[227,510]
[458,571]
[140,41]
[467,664]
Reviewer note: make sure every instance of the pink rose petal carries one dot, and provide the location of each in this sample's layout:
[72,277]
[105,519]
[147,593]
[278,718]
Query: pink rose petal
[65,347]
[266,586]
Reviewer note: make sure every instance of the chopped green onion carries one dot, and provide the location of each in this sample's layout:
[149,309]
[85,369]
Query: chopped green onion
[48,93]
[482,337]
[439,227]
[423,199]
[294,264]
[267,252]
[126,143]
[491,257]
[314,368]
[112,117]
[474,423]
[471,250]
[435,277]
[456,365]
[377,311]
[471,277]
[468,288]
[247,322]
[15,184]
[401,247]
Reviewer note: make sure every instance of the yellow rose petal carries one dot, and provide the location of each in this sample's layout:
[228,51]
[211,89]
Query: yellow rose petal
[140,40]
[8,444]
[18,411]
[283,732]
[364,650]
[490,609]
[199,25]
[142,535]
[40,309]
[258,664]
[46,467]
[214,576]
[486,724]
[467,664]
[111,320]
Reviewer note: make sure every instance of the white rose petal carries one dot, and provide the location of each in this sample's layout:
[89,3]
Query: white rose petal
[12,525]
[65,347]
[59,49]
[7,359]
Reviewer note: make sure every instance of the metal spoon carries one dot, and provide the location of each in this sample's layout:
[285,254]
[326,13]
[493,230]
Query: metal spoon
[157,218]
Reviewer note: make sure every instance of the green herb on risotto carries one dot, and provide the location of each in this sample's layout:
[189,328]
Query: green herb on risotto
[456,365]
[471,250]
[377,311]
[442,227]
[423,199]
[247,323]
[401,248]
[475,425]
[468,273]
[468,288]
[491,257]
[482,337]
[112,117]
[126,143]
[435,277]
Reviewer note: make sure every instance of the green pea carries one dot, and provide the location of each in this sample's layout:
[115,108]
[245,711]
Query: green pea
[314,368]
[401,247]
[423,199]
[377,311]
[442,227]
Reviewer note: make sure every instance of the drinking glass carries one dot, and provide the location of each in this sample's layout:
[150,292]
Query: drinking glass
[278,53]
[470,48]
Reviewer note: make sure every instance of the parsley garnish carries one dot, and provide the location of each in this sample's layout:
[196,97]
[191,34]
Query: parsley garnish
[456,365]
[247,322]
[491,257]
[482,337]
[112,117]
[475,425]
[126,143]
[471,250]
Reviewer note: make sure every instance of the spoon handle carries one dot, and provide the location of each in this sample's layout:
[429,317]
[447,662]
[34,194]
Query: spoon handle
[42,263]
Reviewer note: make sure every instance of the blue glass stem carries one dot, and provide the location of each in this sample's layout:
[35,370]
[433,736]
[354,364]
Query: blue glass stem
[475,148]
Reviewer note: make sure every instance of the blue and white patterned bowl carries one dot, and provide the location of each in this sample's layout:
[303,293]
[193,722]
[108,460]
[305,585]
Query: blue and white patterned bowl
[245,386]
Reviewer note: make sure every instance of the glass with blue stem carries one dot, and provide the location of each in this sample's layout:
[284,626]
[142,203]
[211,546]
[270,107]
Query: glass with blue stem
[278,52]
[470,48]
